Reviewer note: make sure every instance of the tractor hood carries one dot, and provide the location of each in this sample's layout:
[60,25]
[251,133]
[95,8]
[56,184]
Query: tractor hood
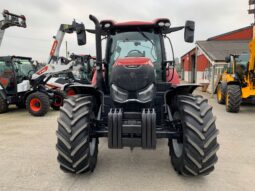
[132,73]
[133,61]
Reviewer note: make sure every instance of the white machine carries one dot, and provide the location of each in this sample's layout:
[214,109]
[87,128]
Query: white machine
[9,20]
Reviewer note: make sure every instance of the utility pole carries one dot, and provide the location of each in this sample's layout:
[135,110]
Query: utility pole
[66,50]
[252,11]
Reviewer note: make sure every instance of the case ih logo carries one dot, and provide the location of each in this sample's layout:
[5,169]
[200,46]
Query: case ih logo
[54,46]
[44,69]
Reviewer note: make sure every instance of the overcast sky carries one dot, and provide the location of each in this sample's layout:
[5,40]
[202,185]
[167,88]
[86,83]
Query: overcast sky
[44,17]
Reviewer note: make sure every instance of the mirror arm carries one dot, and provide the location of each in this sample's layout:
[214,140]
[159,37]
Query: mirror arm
[173,29]
[93,31]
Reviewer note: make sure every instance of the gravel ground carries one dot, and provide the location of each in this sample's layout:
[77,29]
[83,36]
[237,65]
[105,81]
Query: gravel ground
[28,158]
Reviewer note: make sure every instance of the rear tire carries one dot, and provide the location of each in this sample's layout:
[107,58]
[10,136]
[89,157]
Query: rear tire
[233,99]
[37,104]
[221,93]
[58,99]
[3,105]
[195,153]
[77,151]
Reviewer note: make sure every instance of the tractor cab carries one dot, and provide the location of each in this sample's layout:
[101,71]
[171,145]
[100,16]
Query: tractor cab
[15,72]
[134,47]
[135,58]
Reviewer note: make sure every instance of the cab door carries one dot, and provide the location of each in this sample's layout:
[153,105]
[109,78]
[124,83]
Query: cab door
[228,71]
[8,77]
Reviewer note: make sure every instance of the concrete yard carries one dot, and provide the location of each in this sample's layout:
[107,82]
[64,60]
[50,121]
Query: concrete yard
[28,158]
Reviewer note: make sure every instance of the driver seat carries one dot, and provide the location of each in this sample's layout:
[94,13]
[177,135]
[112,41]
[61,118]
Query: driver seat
[136,54]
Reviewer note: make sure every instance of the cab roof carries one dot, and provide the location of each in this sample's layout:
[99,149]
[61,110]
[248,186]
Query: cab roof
[7,58]
[133,24]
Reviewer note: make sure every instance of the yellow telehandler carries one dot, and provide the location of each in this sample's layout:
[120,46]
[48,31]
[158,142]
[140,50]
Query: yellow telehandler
[237,83]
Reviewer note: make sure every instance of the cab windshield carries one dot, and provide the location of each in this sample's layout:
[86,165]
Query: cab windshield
[243,60]
[24,67]
[136,44]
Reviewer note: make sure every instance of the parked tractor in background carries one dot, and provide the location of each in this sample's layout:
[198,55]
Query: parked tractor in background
[133,102]
[30,90]
[237,83]
[79,69]
[14,80]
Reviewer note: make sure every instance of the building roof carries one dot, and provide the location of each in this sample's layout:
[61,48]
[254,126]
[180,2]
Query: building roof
[218,50]
[229,33]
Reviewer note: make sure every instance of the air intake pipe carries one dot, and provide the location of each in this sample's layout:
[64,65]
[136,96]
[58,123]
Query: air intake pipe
[99,77]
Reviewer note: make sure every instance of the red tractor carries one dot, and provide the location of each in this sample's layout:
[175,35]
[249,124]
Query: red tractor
[134,103]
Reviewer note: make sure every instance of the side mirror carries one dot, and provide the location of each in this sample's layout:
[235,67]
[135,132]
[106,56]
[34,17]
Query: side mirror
[227,59]
[81,34]
[189,31]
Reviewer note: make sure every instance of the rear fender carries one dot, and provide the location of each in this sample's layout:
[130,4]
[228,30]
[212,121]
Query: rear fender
[223,83]
[32,91]
[234,83]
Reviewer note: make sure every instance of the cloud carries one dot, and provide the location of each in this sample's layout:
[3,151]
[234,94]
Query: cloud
[44,17]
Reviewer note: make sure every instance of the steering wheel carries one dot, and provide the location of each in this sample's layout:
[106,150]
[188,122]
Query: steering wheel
[135,53]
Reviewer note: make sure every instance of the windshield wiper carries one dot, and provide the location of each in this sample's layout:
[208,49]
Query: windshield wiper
[145,36]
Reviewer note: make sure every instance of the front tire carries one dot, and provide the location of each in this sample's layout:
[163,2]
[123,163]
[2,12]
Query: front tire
[77,151]
[221,93]
[37,104]
[233,99]
[3,105]
[195,153]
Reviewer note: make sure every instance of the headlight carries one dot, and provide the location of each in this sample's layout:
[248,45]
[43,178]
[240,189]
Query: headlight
[117,94]
[147,94]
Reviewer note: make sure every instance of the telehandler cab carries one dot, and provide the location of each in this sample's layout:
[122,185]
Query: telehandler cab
[134,103]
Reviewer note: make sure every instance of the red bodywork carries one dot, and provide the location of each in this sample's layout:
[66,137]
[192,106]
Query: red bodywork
[94,78]
[53,48]
[171,75]
[42,70]
[132,61]
[135,23]
[132,23]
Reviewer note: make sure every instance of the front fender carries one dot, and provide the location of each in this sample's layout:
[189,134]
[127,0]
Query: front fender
[88,90]
[182,89]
